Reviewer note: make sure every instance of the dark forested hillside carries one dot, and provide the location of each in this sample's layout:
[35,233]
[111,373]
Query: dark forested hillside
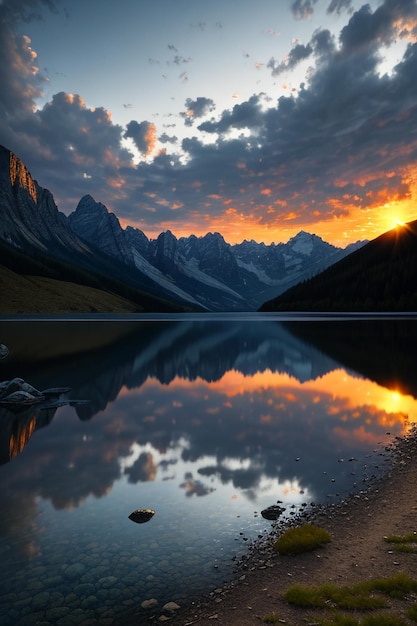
[381,276]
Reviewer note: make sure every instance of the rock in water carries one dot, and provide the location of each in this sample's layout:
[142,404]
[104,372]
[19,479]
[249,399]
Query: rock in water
[19,398]
[4,351]
[141,515]
[272,512]
[8,387]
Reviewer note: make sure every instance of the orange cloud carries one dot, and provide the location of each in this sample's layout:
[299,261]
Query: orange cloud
[150,138]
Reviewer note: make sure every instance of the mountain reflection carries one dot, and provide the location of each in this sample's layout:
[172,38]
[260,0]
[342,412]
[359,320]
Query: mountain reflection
[207,404]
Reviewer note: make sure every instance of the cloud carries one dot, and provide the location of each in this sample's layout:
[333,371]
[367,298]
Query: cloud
[12,11]
[302,9]
[20,78]
[179,60]
[337,6]
[297,54]
[196,109]
[382,26]
[144,136]
[320,45]
[165,138]
[343,142]
[244,115]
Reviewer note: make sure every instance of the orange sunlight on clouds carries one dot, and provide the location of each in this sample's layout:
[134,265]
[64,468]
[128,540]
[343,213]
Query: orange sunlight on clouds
[348,222]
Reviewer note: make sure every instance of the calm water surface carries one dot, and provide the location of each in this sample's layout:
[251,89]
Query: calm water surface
[205,420]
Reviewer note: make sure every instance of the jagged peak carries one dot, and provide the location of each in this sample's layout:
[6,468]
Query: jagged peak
[167,234]
[215,235]
[88,203]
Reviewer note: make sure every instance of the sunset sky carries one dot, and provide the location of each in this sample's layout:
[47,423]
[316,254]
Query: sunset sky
[253,119]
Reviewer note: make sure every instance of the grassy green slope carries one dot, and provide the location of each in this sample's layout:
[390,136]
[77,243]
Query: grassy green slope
[37,294]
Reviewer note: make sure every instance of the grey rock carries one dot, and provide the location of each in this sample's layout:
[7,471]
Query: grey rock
[74,571]
[4,351]
[9,387]
[40,600]
[170,608]
[56,613]
[107,582]
[149,604]
[89,603]
[272,512]
[141,516]
[19,398]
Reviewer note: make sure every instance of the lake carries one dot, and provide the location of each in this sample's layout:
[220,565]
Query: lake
[208,420]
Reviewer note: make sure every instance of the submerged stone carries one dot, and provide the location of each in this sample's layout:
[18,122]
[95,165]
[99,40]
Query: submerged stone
[141,515]
[170,608]
[149,604]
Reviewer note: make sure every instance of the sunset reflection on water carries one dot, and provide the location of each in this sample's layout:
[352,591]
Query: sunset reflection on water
[205,423]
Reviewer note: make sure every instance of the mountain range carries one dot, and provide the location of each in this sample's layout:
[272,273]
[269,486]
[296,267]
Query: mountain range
[89,253]
[381,276]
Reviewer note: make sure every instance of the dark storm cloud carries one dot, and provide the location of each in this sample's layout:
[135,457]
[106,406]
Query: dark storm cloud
[245,115]
[302,9]
[366,28]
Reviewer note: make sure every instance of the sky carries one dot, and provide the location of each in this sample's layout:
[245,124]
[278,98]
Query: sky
[255,119]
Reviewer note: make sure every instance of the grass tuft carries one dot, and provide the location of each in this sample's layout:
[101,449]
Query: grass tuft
[403,543]
[272,619]
[412,613]
[365,596]
[301,539]
[339,619]
[383,620]
[397,586]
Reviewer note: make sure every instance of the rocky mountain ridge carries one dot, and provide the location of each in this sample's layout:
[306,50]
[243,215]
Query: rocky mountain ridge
[214,273]
[204,273]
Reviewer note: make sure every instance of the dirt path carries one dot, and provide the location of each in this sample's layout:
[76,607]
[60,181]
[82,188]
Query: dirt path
[357,552]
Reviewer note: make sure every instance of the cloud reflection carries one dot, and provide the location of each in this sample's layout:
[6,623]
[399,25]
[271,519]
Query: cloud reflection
[216,407]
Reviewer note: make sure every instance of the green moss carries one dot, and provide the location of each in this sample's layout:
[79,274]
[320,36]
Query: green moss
[301,539]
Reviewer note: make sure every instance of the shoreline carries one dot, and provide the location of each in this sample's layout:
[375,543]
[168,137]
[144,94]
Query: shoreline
[357,552]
